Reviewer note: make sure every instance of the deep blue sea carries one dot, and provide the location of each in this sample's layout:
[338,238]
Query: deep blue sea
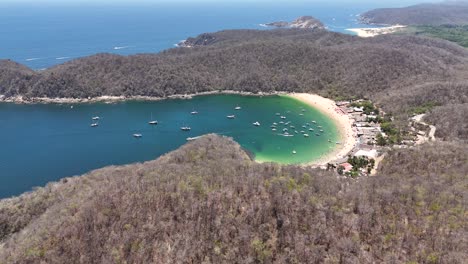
[43,35]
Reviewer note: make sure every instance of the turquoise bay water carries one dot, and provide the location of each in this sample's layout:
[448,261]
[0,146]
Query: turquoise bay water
[43,143]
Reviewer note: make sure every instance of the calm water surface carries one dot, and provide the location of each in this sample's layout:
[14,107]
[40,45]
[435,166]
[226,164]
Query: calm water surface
[43,143]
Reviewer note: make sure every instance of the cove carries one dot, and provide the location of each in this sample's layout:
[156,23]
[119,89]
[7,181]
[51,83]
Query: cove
[46,142]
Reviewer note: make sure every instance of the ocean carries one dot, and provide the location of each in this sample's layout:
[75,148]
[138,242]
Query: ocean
[43,35]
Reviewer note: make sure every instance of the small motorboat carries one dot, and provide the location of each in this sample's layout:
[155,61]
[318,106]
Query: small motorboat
[237,108]
[194,113]
[306,135]
[94,124]
[231,116]
[301,114]
[273,129]
[294,152]
[317,134]
[256,124]
[96,118]
[283,117]
[278,114]
[311,129]
[285,129]
[185,128]
[314,122]
[137,135]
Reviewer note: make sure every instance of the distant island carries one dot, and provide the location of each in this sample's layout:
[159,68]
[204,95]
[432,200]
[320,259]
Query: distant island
[305,22]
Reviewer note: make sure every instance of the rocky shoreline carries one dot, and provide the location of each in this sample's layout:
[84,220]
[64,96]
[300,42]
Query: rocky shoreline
[116,99]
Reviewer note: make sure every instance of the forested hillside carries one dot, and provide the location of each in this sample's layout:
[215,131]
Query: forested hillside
[446,13]
[185,208]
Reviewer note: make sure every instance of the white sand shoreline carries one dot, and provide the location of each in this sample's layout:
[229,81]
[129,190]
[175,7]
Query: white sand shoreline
[372,32]
[342,121]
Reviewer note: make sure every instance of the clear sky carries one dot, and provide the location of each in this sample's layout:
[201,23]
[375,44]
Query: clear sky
[133,2]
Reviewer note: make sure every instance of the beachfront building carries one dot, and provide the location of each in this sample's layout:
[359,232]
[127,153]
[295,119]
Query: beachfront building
[371,154]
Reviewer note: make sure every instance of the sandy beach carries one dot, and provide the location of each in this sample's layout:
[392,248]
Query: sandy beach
[372,32]
[342,121]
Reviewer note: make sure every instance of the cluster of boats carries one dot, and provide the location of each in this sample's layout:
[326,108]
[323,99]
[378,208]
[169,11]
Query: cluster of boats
[96,119]
[288,127]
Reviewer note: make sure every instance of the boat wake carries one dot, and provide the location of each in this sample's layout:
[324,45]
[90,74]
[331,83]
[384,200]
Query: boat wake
[121,47]
[62,58]
[33,59]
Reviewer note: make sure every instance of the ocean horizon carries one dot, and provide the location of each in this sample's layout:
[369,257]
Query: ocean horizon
[43,35]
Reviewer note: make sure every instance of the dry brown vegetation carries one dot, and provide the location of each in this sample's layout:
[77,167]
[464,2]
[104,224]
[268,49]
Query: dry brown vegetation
[400,73]
[208,203]
[446,13]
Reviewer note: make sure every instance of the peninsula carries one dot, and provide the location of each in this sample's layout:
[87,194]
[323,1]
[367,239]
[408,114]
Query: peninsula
[304,22]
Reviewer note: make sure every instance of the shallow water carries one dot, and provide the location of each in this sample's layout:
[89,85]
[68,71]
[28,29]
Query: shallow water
[43,143]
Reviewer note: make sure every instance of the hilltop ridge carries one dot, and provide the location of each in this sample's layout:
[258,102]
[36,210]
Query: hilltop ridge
[184,207]
[446,13]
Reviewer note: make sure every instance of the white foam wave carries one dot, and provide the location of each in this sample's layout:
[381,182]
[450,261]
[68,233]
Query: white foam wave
[62,58]
[121,47]
[33,59]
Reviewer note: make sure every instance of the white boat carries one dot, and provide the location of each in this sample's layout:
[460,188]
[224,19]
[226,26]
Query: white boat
[94,124]
[256,124]
[301,114]
[95,117]
[302,131]
[273,129]
[311,129]
[194,113]
[306,135]
[237,108]
[275,123]
[152,122]
[285,129]
[231,116]
[314,122]
[294,152]
[278,114]
[137,135]
[185,128]
[283,117]
[338,143]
